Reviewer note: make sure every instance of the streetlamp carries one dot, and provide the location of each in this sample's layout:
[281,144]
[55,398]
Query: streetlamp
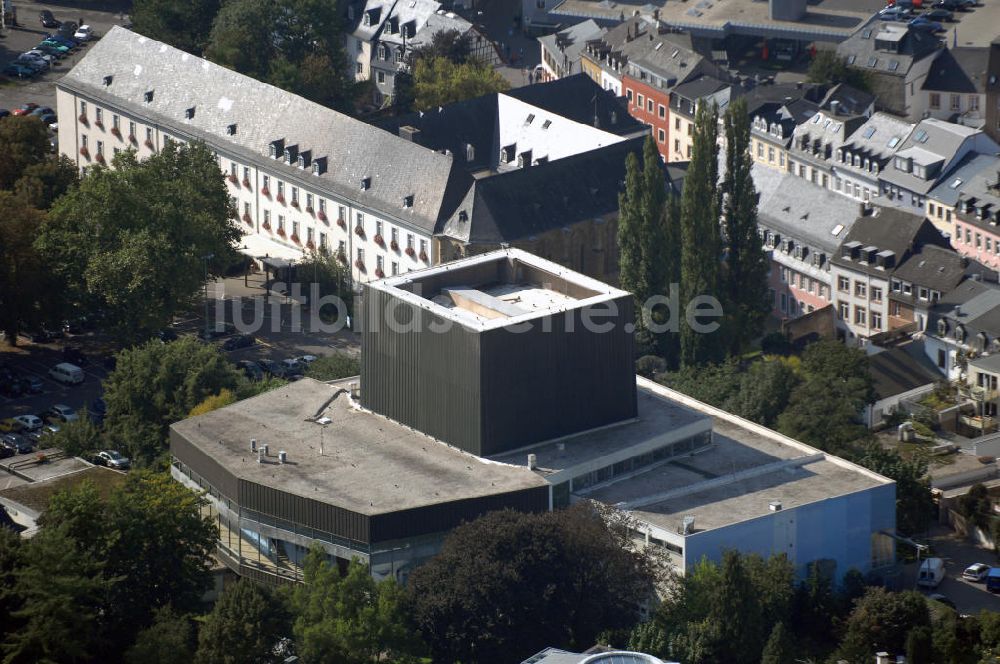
[206,258]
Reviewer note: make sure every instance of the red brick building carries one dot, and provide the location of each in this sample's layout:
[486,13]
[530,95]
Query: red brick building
[651,106]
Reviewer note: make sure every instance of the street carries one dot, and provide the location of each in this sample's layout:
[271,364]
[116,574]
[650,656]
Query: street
[969,597]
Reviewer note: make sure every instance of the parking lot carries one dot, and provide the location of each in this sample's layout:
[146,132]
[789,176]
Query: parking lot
[29,32]
[969,597]
[277,338]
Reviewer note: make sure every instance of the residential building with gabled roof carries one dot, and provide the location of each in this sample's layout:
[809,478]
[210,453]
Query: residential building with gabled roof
[943,199]
[684,101]
[859,160]
[964,322]
[815,142]
[561,51]
[896,59]
[955,87]
[926,156]
[977,217]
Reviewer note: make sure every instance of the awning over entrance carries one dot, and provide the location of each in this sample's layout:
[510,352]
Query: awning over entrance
[270,252]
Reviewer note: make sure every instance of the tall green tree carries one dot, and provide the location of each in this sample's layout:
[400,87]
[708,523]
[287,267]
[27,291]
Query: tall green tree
[701,243]
[134,240]
[41,184]
[779,648]
[24,142]
[151,540]
[350,619]
[27,287]
[170,639]
[826,411]
[630,229]
[183,25]
[155,385]
[297,45]
[510,584]
[11,551]
[882,620]
[438,81]
[915,507]
[746,264]
[245,625]
[61,595]
[829,68]
[764,392]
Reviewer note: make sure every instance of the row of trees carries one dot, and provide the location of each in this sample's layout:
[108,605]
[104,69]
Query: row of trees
[665,243]
[748,610]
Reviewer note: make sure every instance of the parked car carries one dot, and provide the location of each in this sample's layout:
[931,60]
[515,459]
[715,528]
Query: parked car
[941,15]
[305,359]
[239,341]
[931,573]
[30,422]
[15,70]
[67,373]
[58,45]
[950,5]
[17,442]
[44,56]
[83,33]
[32,384]
[64,37]
[250,369]
[48,49]
[9,425]
[42,110]
[112,459]
[41,436]
[292,367]
[976,572]
[40,66]
[62,413]
[6,452]
[921,23]
[4,112]
[47,19]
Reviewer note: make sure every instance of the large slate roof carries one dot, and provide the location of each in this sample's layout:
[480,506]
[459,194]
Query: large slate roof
[263,113]
[932,139]
[961,70]
[973,304]
[913,45]
[578,98]
[935,267]
[967,178]
[570,42]
[526,202]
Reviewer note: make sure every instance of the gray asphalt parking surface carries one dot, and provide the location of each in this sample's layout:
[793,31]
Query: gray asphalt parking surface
[28,33]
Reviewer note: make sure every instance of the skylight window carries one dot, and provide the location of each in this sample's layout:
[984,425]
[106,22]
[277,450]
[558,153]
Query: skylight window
[921,136]
[531,118]
[851,58]
[817,118]
[894,141]
[893,65]
[674,54]
[869,132]
[872,61]
[837,230]
[866,34]
[955,184]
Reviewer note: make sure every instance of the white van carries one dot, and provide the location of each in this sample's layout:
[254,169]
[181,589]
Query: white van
[931,573]
[67,373]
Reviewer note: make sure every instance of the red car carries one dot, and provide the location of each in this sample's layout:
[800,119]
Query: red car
[26,109]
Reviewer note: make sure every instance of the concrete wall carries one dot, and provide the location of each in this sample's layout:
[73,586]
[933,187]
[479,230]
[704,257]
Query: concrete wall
[842,529]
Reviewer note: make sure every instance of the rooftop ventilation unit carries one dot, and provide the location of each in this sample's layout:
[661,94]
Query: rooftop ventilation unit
[687,526]
[774,506]
[282,456]
[532,461]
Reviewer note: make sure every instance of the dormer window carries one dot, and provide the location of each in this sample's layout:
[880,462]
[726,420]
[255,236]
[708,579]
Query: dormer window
[366,183]
[960,333]
[107,80]
[301,163]
[942,327]
[231,130]
[408,201]
[470,152]
[189,113]
[148,96]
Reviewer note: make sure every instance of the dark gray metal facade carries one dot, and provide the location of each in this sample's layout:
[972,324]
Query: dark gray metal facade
[496,390]
[299,514]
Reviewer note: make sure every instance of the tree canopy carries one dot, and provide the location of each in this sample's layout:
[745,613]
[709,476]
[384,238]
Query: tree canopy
[133,241]
[438,81]
[297,45]
[184,25]
[829,68]
[157,384]
[350,618]
[245,625]
[514,583]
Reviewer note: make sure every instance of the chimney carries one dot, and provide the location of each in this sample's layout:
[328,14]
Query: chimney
[532,462]
[282,456]
[410,133]
[267,451]
[835,107]
[253,444]
[774,506]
